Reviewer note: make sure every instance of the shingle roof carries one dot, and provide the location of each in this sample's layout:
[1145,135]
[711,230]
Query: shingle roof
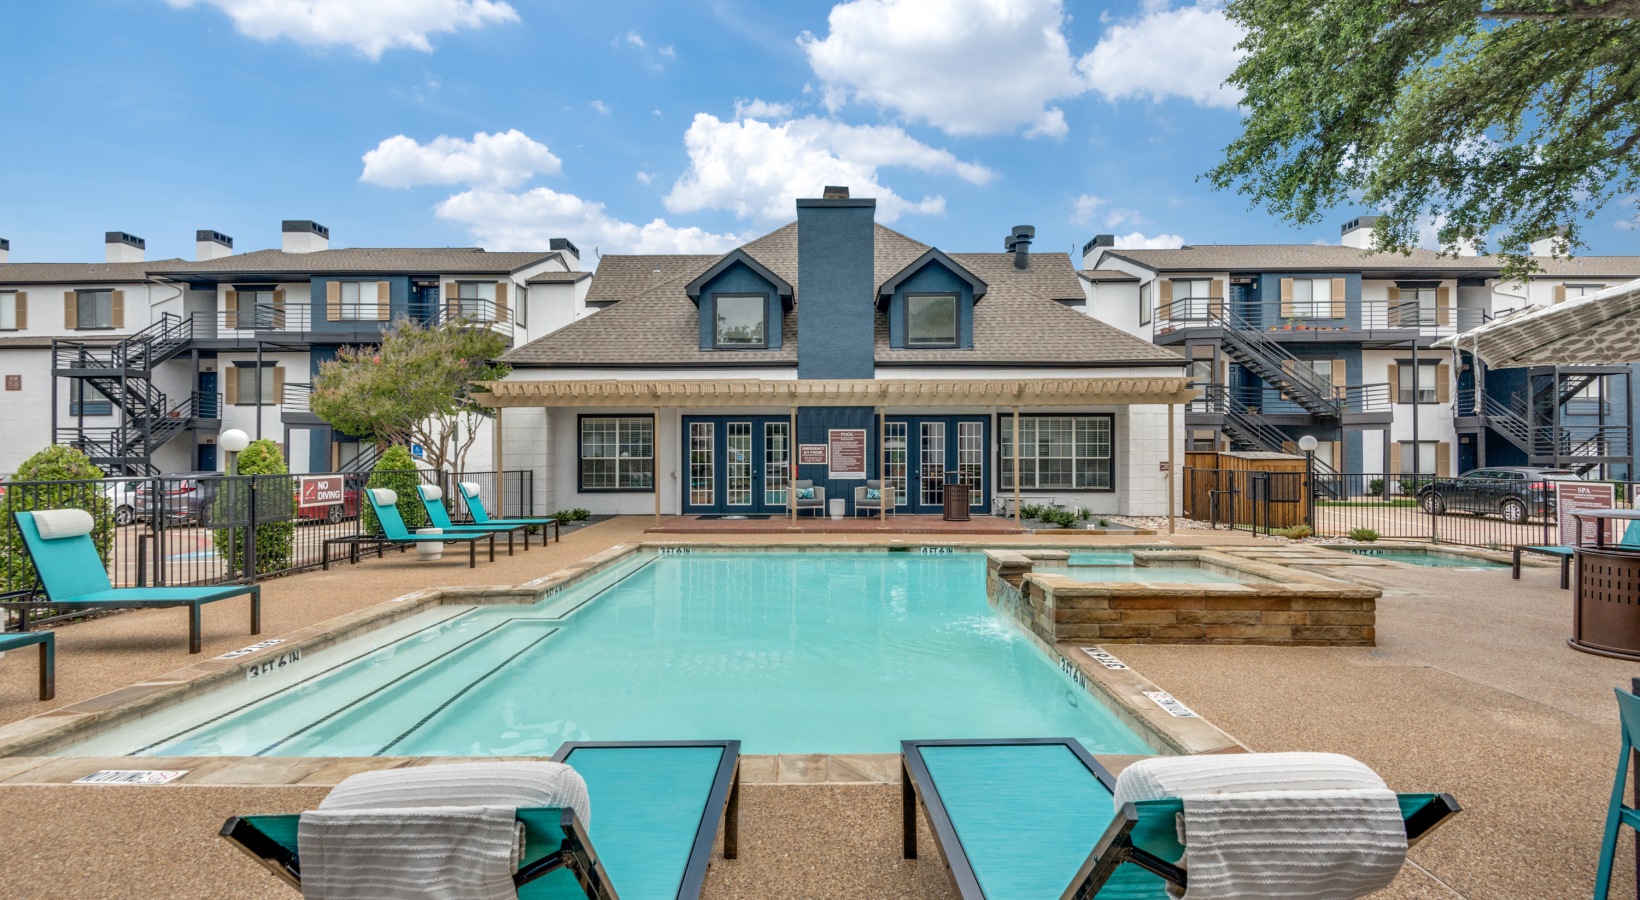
[1333,257]
[1104,276]
[655,324]
[558,277]
[1592,266]
[428,260]
[78,273]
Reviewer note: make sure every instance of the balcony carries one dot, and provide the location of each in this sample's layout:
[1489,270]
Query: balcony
[340,322]
[1370,321]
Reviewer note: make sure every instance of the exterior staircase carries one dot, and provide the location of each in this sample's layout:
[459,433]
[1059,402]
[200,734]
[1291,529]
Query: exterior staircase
[1244,343]
[123,373]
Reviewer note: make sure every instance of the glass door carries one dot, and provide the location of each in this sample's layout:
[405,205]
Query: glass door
[702,464]
[931,473]
[777,461]
[738,464]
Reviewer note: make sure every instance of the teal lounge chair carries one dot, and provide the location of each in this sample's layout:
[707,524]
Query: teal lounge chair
[47,642]
[394,533]
[475,506]
[73,575]
[432,500]
[655,814]
[1035,818]
[1630,541]
[1617,814]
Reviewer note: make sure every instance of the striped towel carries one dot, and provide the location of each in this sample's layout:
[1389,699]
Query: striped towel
[1318,826]
[445,832]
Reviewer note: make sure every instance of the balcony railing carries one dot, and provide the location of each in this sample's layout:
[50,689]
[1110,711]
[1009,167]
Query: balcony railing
[249,318]
[1358,316]
[296,398]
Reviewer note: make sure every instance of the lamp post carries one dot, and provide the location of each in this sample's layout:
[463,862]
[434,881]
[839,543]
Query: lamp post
[1308,443]
[233,441]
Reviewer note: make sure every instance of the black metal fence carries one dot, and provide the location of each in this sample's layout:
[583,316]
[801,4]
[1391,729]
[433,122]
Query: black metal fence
[1475,512]
[205,530]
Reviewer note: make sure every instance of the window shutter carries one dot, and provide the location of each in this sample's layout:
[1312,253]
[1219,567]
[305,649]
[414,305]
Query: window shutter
[230,384]
[452,300]
[1443,306]
[333,300]
[1164,298]
[1339,378]
[232,306]
[1560,293]
[1395,459]
[1338,305]
[119,309]
[501,301]
[384,300]
[22,309]
[1443,459]
[279,308]
[278,385]
[71,310]
[1286,298]
[1394,383]
[1443,383]
[1215,303]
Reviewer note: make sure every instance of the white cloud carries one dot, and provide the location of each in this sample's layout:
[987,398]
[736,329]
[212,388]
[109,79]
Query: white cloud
[504,220]
[504,160]
[636,40]
[756,170]
[369,26]
[761,109]
[1137,241]
[600,107]
[1084,207]
[964,66]
[649,52]
[1186,52]
[644,177]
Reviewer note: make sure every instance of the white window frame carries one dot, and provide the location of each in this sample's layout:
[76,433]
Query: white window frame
[1312,298]
[1090,466]
[246,395]
[1403,393]
[632,473]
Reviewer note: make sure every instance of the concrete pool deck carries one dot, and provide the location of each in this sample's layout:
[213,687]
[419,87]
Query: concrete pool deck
[1471,690]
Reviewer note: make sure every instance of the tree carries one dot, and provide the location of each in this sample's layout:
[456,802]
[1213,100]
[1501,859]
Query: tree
[1514,118]
[71,481]
[397,472]
[275,511]
[415,388]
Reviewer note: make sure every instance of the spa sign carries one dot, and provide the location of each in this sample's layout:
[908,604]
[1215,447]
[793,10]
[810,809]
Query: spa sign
[847,447]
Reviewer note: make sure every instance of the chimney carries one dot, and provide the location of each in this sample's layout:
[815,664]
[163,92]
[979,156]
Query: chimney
[1466,247]
[836,246]
[572,254]
[834,192]
[210,244]
[1358,232]
[303,236]
[1019,242]
[1094,250]
[1549,244]
[119,247]
[5,250]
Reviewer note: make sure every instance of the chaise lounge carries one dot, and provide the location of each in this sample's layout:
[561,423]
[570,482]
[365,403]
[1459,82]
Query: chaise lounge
[394,533]
[47,642]
[656,809]
[60,544]
[1630,541]
[432,500]
[475,506]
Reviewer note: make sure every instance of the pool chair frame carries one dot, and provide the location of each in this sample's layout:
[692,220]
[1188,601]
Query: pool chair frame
[439,517]
[47,641]
[1423,814]
[1564,554]
[481,516]
[575,850]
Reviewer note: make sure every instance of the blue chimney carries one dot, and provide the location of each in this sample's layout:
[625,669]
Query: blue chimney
[835,293]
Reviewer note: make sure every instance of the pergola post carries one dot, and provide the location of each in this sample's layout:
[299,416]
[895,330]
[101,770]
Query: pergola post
[656,465]
[500,476]
[791,486]
[882,466]
[1172,497]
[1017,519]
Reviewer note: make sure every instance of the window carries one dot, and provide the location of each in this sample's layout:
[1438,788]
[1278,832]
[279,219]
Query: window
[742,320]
[84,400]
[1191,299]
[1416,383]
[1574,291]
[8,311]
[1203,440]
[476,300]
[1059,453]
[245,388]
[1422,455]
[256,309]
[930,320]
[617,453]
[350,299]
[1312,298]
[95,309]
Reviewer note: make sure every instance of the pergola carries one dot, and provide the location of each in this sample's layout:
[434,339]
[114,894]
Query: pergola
[711,393]
[1599,329]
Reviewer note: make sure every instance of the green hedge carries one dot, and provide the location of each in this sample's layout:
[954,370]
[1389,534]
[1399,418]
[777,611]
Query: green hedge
[80,490]
[395,471]
[275,511]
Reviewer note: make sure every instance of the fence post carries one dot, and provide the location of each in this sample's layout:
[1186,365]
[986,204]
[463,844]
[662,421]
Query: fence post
[250,531]
[142,559]
[156,527]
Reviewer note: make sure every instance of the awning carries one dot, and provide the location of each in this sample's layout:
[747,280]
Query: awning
[709,393]
[1600,329]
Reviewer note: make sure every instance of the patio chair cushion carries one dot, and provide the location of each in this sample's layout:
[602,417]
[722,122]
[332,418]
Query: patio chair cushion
[874,484]
[54,524]
[874,493]
[385,496]
[805,493]
[470,488]
[432,493]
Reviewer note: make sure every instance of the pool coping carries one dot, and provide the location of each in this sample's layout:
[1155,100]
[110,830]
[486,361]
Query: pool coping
[38,737]
[1501,557]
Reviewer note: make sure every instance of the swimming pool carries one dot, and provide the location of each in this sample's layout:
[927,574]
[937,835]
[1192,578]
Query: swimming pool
[809,652]
[1108,566]
[1431,558]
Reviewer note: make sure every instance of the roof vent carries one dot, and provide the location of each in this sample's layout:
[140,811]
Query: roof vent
[1357,232]
[834,192]
[1020,243]
[303,236]
[120,247]
[210,244]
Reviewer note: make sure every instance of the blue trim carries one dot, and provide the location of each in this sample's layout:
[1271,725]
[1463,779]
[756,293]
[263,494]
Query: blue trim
[720,465]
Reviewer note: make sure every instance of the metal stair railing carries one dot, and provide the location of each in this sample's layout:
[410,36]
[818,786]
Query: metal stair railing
[1240,418]
[1278,368]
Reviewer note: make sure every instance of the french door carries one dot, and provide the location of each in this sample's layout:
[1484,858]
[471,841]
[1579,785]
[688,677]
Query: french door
[737,465]
[921,454]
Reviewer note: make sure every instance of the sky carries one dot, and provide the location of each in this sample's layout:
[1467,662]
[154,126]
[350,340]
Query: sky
[652,126]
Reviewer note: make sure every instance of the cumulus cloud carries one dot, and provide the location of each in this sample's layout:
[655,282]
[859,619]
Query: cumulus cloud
[964,66]
[504,160]
[1084,208]
[600,107]
[369,26]
[755,169]
[761,109]
[1137,241]
[505,220]
[1186,52]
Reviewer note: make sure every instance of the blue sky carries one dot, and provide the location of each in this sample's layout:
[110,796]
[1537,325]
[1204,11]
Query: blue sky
[626,126]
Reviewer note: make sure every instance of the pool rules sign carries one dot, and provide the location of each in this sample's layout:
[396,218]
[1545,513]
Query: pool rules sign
[1580,496]
[847,449]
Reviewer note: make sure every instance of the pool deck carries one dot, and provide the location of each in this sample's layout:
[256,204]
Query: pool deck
[1470,690]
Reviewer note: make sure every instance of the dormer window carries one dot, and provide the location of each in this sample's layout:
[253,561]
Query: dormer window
[741,321]
[931,320]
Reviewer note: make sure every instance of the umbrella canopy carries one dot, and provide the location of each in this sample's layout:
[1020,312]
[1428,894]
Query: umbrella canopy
[1600,329]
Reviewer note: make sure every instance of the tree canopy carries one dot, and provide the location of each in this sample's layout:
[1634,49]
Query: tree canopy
[415,387]
[1495,122]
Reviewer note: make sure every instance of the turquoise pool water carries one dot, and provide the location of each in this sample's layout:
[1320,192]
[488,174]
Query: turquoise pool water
[789,652]
[1432,560]
[1107,566]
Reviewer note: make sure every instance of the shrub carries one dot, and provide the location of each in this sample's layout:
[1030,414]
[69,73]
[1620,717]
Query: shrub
[1064,518]
[1083,513]
[1363,534]
[1104,523]
[1030,511]
[1375,487]
[395,471]
[1295,532]
[55,463]
[580,515]
[1411,487]
[275,512]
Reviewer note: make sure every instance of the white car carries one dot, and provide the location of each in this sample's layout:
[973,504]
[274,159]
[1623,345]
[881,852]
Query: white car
[122,500]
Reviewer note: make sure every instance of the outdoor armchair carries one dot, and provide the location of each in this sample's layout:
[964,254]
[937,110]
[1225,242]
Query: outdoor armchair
[384,502]
[475,506]
[59,543]
[864,503]
[816,499]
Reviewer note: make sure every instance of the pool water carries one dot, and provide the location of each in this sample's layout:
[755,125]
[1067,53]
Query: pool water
[1096,567]
[808,652]
[1431,560]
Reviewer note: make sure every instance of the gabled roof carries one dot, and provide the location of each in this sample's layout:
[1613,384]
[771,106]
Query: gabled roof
[1106,276]
[621,277]
[78,273]
[741,257]
[933,255]
[360,260]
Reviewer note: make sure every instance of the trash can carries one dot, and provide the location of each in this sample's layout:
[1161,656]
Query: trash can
[429,550]
[838,507]
[956,498]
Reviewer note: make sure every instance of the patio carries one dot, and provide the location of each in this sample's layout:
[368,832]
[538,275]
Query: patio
[713,525]
[1471,689]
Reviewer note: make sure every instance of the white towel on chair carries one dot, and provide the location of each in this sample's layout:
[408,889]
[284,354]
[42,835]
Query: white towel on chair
[1318,826]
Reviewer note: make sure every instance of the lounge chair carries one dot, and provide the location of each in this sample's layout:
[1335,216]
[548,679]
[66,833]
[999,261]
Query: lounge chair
[1630,541]
[59,542]
[1618,814]
[873,505]
[48,656]
[1036,818]
[384,503]
[655,814]
[432,500]
[816,501]
[475,506]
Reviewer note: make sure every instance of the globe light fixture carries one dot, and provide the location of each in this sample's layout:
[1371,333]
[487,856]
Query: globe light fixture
[1308,443]
[232,442]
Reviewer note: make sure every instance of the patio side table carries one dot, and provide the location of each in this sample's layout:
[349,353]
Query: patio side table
[1606,617]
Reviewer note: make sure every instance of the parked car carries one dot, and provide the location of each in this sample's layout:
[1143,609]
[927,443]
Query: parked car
[186,497]
[1514,492]
[333,512]
[122,499]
